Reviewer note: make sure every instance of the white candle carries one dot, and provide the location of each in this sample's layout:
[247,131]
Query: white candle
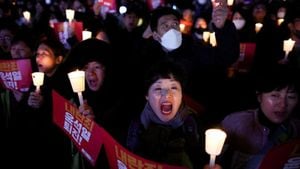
[182,27]
[288,46]
[279,21]
[214,141]
[230,2]
[206,35]
[258,27]
[86,35]
[70,14]
[38,80]
[212,39]
[27,15]
[77,79]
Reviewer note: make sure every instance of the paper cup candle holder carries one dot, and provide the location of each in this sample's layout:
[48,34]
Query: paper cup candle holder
[38,80]
[77,79]
[214,141]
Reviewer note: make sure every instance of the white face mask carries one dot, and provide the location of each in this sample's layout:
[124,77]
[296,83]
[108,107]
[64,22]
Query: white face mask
[239,23]
[202,2]
[171,40]
[280,14]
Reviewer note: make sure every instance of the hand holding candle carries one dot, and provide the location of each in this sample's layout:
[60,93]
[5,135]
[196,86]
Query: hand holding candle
[214,141]
[38,80]
[77,79]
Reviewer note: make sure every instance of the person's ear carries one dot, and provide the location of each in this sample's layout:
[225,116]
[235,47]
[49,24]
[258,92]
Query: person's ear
[59,59]
[258,96]
[147,98]
[156,36]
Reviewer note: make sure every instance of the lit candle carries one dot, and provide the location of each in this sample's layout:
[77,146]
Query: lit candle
[182,27]
[77,79]
[214,141]
[258,26]
[212,39]
[86,35]
[288,46]
[206,35]
[70,14]
[230,2]
[279,21]
[38,80]
[27,15]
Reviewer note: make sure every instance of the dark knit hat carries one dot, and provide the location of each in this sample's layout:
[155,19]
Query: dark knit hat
[89,50]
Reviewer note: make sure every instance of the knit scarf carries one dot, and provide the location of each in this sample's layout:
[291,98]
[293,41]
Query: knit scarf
[148,116]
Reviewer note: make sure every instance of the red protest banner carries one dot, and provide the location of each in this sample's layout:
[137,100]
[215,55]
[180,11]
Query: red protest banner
[16,74]
[84,132]
[89,138]
[109,6]
[247,51]
[120,158]
[286,155]
[65,30]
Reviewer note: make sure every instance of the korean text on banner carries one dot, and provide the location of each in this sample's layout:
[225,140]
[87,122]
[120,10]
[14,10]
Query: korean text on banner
[16,74]
[83,132]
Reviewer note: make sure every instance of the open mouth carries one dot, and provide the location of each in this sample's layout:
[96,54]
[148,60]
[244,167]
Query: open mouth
[280,113]
[166,108]
[93,82]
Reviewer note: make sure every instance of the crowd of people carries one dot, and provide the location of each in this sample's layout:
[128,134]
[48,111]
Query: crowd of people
[153,81]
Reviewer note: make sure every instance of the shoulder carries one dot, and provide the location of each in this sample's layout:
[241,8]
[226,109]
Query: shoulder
[241,118]
[134,131]
[295,123]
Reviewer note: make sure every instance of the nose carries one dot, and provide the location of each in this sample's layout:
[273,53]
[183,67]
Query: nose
[166,92]
[282,104]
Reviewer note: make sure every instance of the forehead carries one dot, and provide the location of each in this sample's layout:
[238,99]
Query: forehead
[237,15]
[165,81]
[260,6]
[44,47]
[20,43]
[5,32]
[167,18]
[93,63]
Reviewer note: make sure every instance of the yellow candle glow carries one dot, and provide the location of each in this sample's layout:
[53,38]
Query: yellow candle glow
[70,14]
[230,2]
[181,26]
[279,21]
[77,79]
[258,27]
[206,35]
[27,15]
[212,39]
[214,141]
[86,35]
[288,45]
[38,79]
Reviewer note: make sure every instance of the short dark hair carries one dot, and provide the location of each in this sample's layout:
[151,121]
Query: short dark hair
[276,78]
[165,69]
[56,46]
[158,13]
